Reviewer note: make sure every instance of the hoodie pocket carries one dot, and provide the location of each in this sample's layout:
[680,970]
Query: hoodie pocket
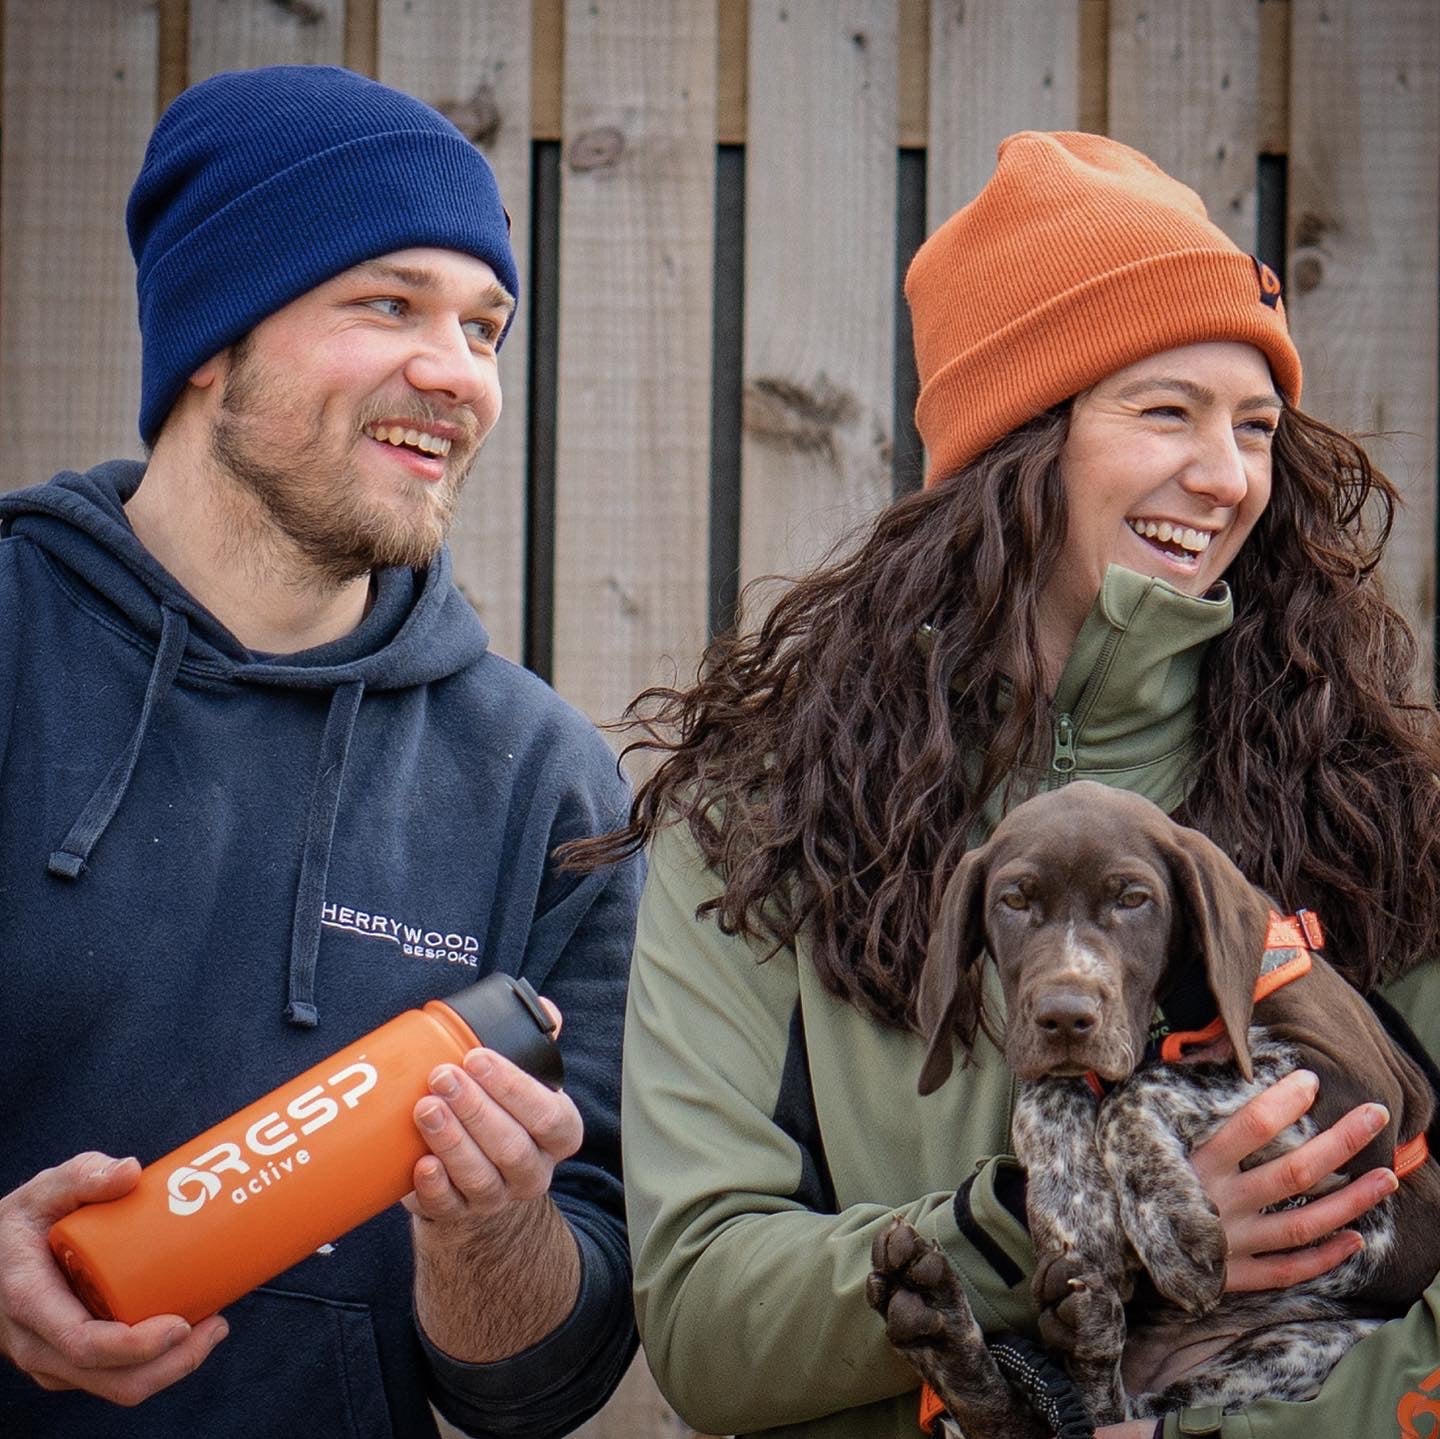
[317,1361]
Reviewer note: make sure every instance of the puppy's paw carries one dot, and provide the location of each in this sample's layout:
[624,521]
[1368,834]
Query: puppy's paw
[914,1289]
[1189,1268]
[1082,1312]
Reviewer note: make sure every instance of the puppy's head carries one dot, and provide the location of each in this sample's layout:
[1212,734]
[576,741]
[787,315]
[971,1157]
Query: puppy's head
[1090,900]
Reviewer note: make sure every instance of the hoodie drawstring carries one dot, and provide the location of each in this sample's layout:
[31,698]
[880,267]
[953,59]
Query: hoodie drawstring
[315,863]
[68,861]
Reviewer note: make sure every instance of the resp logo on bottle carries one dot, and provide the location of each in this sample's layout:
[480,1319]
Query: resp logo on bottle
[190,1186]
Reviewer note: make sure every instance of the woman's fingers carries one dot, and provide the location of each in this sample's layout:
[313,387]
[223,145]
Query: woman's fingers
[1273,1247]
[1306,1165]
[1255,1124]
[1293,1266]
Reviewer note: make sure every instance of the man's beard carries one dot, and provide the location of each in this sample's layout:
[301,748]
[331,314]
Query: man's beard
[317,499]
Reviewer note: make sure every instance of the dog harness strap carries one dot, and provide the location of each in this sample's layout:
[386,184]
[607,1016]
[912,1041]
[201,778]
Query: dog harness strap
[1288,945]
[1410,1155]
[931,1408]
[1300,930]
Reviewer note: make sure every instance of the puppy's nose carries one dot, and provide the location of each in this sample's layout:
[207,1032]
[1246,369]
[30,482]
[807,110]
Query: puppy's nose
[1067,1014]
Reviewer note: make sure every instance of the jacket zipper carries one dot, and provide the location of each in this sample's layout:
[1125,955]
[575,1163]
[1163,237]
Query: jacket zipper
[1062,760]
[1062,757]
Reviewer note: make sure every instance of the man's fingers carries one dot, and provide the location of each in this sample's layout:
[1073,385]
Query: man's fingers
[548,1117]
[85,1179]
[497,1131]
[117,1363]
[1256,1123]
[466,1166]
[434,1196]
[133,1385]
[105,1344]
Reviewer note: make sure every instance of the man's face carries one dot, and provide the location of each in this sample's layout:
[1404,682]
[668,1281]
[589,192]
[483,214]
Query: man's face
[355,412]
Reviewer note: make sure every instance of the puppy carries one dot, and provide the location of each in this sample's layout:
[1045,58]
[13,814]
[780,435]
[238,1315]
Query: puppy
[1099,910]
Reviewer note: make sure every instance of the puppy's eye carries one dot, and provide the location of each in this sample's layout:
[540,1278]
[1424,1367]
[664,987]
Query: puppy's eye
[1014,899]
[1132,899]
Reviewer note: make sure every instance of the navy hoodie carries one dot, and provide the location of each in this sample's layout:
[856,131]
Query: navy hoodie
[219,867]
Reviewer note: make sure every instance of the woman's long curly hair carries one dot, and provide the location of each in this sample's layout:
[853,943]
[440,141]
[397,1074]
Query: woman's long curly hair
[832,767]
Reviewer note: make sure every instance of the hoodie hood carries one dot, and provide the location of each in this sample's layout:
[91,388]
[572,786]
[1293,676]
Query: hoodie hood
[418,630]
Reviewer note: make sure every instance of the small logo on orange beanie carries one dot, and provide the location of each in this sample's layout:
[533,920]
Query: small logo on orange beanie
[1269,283]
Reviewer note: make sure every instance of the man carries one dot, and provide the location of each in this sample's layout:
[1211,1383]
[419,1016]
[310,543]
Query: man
[263,787]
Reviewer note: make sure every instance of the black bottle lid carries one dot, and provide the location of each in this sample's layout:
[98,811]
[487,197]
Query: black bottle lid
[505,1014]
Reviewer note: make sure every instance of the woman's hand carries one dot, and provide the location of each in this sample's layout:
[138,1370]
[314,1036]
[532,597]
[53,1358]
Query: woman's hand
[1274,1251]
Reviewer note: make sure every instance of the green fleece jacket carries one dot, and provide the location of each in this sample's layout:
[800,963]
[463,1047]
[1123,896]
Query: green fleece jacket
[770,1129]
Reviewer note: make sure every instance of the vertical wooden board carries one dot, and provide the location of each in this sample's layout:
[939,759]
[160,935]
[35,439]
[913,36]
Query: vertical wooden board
[912,36]
[732,20]
[996,66]
[79,103]
[242,34]
[1364,200]
[547,44]
[1185,89]
[472,62]
[633,416]
[820,202]
[1273,101]
[1094,24]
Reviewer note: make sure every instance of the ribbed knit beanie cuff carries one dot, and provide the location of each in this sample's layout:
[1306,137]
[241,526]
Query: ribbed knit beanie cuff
[1079,257]
[259,185]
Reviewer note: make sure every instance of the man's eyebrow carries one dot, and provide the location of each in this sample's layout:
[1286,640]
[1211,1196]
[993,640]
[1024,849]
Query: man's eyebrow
[1201,394]
[494,296]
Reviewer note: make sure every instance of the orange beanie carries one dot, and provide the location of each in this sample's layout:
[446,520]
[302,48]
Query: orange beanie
[1079,257]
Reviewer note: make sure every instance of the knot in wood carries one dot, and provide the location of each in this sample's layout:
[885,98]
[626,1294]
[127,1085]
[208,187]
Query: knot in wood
[1308,272]
[596,149]
[801,418]
[300,10]
[478,118]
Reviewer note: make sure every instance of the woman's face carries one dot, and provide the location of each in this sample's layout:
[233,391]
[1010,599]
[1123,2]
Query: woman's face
[1166,469]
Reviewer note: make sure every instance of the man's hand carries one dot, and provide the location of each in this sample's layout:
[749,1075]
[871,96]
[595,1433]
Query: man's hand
[44,1328]
[496,1266]
[1273,1251]
[495,1136]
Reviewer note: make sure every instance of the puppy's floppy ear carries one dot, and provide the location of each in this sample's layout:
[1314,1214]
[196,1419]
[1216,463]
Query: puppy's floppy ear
[1223,920]
[948,1001]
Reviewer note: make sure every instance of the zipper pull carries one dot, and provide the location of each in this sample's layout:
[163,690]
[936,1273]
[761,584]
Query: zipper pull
[1063,760]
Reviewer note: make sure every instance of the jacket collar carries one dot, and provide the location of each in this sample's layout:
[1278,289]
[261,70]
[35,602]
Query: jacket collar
[1126,703]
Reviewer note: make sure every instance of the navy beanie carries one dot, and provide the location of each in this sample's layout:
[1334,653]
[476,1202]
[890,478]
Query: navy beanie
[258,185]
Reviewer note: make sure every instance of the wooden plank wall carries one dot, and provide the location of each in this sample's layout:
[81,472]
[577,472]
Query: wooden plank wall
[714,201]
[633,398]
[819,268]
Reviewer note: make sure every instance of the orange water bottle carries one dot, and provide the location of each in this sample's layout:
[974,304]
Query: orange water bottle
[294,1170]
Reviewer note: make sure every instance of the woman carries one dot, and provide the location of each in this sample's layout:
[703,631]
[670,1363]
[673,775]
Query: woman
[1108,400]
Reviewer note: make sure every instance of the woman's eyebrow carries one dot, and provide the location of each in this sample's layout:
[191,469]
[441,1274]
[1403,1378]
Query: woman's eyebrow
[1201,394]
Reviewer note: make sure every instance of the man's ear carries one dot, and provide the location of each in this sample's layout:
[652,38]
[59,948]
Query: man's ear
[206,375]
